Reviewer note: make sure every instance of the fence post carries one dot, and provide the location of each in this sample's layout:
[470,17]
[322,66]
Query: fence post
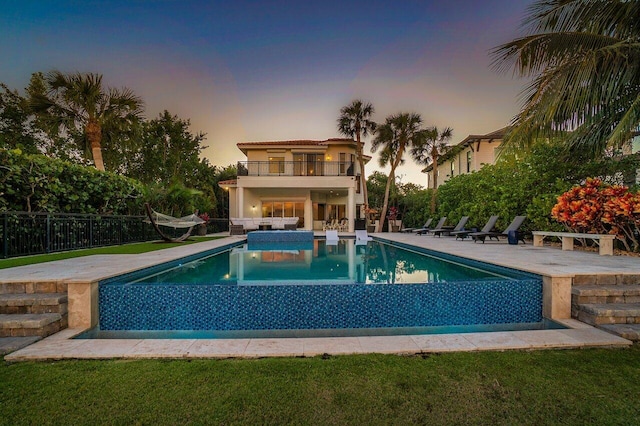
[5,238]
[47,248]
[90,231]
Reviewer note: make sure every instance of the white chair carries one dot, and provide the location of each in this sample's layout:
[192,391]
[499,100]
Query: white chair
[361,234]
[331,235]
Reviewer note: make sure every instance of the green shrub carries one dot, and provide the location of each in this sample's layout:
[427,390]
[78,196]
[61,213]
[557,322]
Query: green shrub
[529,184]
[33,183]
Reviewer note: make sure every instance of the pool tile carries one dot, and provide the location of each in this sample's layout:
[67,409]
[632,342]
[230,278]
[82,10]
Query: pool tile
[497,341]
[594,337]
[219,348]
[443,343]
[331,345]
[541,339]
[161,348]
[103,349]
[274,347]
[388,344]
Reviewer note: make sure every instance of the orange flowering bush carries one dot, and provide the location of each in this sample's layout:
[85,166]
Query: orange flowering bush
[599,208]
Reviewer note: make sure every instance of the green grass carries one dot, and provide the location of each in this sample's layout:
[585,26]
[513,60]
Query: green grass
[596,386]
[135,248]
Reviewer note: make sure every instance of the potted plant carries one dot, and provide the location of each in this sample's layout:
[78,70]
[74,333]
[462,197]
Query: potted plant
[202,228]
[370,215]
[393,215]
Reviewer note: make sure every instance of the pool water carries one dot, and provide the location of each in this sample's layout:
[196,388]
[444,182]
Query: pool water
[318,289]
[318,262]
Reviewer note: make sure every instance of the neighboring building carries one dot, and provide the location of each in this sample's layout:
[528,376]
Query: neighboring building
[313,180]
[468,156]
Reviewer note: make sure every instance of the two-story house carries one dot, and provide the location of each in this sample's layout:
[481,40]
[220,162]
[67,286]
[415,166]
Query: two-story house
[467,156]
[316,181]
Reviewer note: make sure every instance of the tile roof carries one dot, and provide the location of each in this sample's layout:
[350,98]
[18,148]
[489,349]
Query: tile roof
[296,142]
[228,182]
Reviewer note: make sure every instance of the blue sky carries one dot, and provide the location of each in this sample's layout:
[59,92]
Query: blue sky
[272,70]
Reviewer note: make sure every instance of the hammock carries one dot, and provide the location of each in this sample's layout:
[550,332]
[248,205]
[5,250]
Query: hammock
[159,219]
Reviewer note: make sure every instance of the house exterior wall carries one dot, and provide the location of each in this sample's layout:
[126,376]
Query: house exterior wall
[259,184]
[482,153]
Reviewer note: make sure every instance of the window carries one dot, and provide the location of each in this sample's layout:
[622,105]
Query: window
[453,168]
[284,209]
[469,161]
[343,163]
[358,184]
[276,165]
[318,211]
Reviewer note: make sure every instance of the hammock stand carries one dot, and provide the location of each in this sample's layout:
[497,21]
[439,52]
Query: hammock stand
[158,219]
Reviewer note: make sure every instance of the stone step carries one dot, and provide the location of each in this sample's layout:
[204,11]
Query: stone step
[33,303]
[19,325]
[597,294]
[609,313]
[12,344]
[627,331]
[29,287]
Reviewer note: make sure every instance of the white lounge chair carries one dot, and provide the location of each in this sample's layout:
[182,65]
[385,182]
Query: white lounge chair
[332,237]
[362,235]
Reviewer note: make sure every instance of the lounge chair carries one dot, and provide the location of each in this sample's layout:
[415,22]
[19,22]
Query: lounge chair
[441,222]
[331,236]
[462,234]
[362,235]
[513,226]
[425,226]
[459,227]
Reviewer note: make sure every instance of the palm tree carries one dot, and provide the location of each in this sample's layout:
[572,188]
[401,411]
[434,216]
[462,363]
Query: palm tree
[434,145]
[78,104]
[399,132]
[355,121]
[582,57]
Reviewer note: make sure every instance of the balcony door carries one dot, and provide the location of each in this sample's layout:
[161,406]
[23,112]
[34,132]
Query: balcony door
[308,164]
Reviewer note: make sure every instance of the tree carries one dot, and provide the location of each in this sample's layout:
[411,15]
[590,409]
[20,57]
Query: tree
[434,145]
[15,127]
[355,121]
[582,57]
[78,104]
[399,132]
[168,151]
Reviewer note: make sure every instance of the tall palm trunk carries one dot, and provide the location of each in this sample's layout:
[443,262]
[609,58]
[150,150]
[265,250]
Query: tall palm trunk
[434,155]
[94,136]
[385,203]
[387,189]
[363,180]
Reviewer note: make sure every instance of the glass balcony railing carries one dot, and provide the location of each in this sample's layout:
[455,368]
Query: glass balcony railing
[295,168]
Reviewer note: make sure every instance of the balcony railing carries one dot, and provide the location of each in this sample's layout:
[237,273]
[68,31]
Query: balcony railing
[295,168]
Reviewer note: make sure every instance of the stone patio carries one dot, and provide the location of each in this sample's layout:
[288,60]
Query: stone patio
[552,263]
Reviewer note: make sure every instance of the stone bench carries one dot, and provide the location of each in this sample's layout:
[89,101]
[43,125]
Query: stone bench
[605,241]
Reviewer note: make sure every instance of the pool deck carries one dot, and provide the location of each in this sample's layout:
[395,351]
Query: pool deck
[549,261]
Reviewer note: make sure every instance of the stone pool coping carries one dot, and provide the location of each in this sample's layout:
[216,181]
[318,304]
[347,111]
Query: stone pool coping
[552,263]
[61,345]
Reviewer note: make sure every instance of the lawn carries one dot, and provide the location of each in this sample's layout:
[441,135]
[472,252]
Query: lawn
[135,248]
[595,386]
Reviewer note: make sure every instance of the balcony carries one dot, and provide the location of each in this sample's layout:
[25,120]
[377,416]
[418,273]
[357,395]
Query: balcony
[295,168]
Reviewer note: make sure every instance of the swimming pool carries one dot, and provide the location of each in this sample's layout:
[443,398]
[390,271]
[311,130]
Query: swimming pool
[318,289]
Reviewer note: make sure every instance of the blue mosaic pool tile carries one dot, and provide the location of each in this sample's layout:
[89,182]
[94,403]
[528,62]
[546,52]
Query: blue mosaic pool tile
[232,307]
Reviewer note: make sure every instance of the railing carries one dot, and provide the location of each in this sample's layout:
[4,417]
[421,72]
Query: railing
[295,168]
[23,233]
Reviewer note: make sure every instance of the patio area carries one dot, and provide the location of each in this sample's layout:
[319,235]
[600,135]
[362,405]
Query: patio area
[560,269]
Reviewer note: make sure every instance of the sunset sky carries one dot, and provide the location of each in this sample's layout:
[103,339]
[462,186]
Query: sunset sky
[278,70]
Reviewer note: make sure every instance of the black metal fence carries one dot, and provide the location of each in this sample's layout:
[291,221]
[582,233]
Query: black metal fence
[23,233]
